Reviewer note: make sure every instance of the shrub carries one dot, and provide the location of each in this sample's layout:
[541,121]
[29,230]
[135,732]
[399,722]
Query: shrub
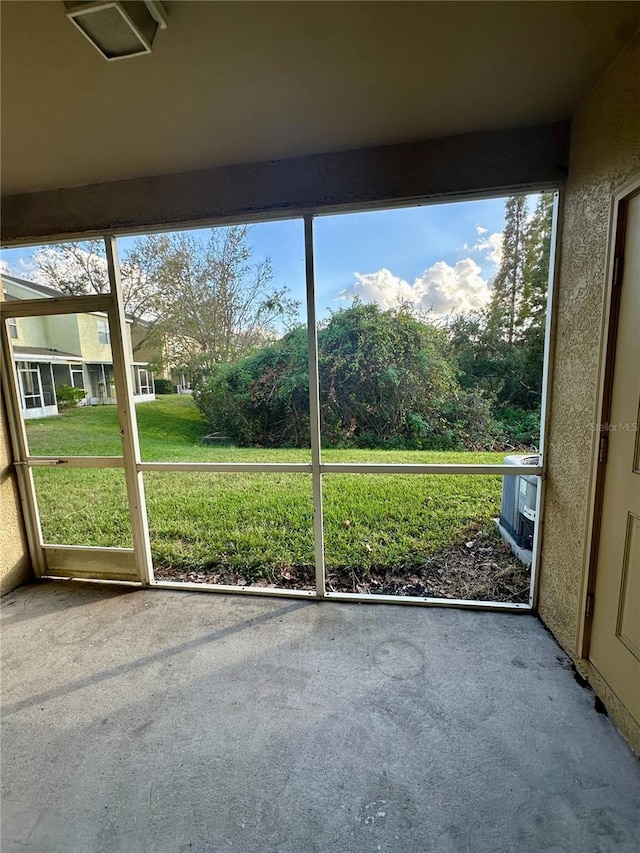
[386,379]
[262,399]
[68,397]
[471,424]
[379,371]
[164,386]
[520,427]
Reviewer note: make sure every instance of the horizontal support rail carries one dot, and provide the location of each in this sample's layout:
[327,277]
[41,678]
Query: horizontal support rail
[363,598]
[75,461]
[342,468]
[417,468]
[285,467]
[469,604]
[229,467]
[189,586]
[91,549]
[56,305]
[51,576]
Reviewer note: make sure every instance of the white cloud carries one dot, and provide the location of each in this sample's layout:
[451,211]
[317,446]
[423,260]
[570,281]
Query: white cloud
[442,289]
[460,288]
[22,268]
[382,287]
[492,245]
[69,263]
[481,230]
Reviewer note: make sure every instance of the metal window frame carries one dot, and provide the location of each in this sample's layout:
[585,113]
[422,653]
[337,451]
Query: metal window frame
[147,387]
[104,333]
[75,368]
[135,468]
[21,377]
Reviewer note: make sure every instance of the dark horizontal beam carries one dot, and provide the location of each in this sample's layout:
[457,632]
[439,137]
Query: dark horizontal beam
[456,166]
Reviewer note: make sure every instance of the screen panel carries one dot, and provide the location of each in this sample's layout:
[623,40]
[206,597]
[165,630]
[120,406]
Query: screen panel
[66,384]
[83,506]
[433,325]
[241,529]
[434,536]
[224,333]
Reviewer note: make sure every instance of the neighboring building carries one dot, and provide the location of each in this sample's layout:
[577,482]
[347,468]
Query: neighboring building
[165,354]
[66,349]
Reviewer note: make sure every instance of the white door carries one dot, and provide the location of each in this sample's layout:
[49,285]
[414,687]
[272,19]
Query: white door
[615,633]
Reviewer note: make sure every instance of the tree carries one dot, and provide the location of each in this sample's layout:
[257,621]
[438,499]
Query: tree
[383,374]
[537,250]
[263,398]
[80,268]
[214,304]
[198,302]
[501,350]
[507,285]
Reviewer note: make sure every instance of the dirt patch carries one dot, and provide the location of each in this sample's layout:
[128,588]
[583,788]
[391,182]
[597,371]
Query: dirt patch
[480,567]
[291,577]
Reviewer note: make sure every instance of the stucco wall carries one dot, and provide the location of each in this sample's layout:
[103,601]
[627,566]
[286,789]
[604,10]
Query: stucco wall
[15,564]
[605,153]
[89,342]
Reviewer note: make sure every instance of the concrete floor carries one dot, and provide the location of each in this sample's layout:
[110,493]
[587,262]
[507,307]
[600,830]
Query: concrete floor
[147,721]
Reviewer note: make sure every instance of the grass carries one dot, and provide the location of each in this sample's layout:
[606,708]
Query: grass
[252,525]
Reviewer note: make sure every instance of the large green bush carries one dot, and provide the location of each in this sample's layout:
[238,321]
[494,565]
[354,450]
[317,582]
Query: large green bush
[68,397]
[386,380]
[164,386]
[520,428]
[263,398]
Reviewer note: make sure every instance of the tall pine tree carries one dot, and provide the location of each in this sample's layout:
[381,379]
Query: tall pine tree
[537,248]
[501,350]
[508,284]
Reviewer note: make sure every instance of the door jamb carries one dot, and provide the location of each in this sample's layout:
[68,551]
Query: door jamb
[602,409]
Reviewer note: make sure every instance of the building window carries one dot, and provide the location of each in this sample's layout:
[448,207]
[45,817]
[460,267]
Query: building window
[47,384]
[29,374]
[77,376]
[13,327]
[104,336]
[145,381]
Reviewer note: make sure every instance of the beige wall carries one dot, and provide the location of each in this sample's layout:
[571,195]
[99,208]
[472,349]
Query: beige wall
[31,332]
[141,350]
[86,327]
[15,564]
[605,154]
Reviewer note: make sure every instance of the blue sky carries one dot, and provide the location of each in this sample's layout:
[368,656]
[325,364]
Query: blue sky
[441,257]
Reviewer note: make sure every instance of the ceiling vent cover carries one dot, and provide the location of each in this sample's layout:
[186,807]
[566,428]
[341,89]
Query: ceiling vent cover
[118,28]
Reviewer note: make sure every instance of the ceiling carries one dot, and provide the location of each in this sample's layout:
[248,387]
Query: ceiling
[237,82]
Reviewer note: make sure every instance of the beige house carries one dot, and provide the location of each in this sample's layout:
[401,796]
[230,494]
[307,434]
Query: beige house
[66,349]
[163,356]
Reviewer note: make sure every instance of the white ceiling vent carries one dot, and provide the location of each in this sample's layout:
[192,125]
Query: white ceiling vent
[118,28]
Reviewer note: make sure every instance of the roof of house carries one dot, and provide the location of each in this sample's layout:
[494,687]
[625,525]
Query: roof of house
[43,289]
[54,353]
[50,293]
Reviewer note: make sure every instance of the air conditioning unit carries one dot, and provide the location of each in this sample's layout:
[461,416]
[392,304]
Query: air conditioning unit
[519,494]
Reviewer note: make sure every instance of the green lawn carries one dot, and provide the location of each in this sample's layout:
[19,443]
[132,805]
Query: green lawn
[255,525]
